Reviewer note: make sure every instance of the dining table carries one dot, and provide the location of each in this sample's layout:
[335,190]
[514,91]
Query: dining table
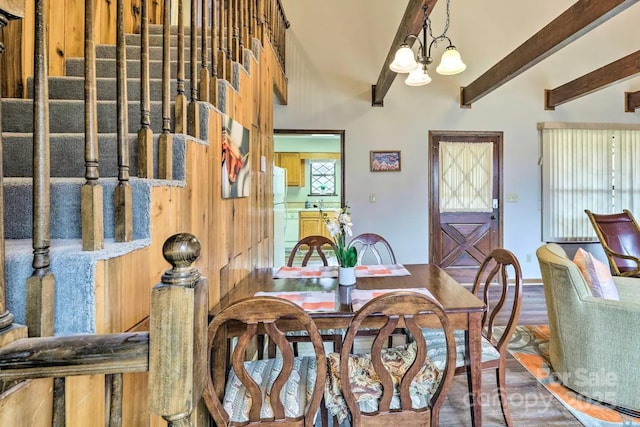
[464,310]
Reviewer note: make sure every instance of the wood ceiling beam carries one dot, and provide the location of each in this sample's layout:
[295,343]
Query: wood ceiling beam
[411,24]
[574,22]
[605,76]
[631,101]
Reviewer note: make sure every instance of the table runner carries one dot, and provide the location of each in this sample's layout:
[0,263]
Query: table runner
[309,300]
[332,271]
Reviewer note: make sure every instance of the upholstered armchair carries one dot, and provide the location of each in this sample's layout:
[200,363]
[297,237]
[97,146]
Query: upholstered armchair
[594,346]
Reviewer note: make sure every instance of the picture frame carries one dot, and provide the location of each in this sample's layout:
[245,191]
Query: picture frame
[384,161]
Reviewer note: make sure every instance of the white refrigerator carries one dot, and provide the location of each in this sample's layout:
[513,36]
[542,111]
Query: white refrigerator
[279,211]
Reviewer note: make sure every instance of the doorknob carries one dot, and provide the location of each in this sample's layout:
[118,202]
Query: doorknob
[493,217]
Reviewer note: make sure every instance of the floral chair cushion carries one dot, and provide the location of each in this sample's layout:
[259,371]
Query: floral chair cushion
[437,347]
[295,395]
[322,332]
[366,384]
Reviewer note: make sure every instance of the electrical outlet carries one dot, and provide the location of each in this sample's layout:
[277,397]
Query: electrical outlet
[372,197]
[512,197]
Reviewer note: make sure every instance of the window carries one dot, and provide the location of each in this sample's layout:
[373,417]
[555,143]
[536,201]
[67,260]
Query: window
[586,166]
[323,177]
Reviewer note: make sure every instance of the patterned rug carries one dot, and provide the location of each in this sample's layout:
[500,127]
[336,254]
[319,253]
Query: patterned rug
[530,347]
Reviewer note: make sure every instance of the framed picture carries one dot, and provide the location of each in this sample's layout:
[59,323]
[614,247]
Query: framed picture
[235,159]
[384,161]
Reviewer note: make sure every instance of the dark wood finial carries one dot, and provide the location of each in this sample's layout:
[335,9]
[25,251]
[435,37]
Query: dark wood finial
[181,251]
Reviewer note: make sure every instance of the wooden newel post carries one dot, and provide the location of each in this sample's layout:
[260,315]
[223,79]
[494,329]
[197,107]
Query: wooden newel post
[177,337]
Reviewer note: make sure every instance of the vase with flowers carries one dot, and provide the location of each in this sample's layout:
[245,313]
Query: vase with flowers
[339,226]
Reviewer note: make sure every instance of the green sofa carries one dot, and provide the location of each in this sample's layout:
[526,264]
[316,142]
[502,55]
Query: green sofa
[595,343]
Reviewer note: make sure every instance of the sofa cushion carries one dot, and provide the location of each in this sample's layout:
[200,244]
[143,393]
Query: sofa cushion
[597,275]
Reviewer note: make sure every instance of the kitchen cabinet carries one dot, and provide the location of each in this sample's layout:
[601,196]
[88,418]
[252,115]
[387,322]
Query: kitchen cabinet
[294,165]
[311,223]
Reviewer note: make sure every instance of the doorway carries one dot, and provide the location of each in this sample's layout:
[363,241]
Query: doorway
[314,164]
[465,188]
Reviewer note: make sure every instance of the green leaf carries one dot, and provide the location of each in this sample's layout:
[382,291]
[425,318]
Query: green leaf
[351,257]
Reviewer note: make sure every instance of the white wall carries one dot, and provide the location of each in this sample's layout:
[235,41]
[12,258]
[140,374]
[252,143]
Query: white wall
[335,50]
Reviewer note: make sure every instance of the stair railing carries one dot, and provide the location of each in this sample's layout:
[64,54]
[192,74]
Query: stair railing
[172,351]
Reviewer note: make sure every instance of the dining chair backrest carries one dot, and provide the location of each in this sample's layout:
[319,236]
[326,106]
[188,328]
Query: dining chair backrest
[399,309]
[259,315]
[494,274]
[313,243]
[373,249]
[619,236]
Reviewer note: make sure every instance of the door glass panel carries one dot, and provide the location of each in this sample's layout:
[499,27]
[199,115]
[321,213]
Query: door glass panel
[466,176]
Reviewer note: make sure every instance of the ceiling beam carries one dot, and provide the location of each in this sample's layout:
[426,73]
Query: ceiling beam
[411,24]
[605,76]
[631,101]
[574,22]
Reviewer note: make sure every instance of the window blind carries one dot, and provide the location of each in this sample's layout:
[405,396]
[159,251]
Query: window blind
[586,167]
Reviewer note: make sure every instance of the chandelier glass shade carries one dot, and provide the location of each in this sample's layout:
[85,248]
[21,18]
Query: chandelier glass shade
[405,61]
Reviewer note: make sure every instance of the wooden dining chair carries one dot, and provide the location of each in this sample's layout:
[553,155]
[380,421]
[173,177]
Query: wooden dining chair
[619,236]
[491,284]
[373,247]
[313,243]
[310,244]
[286,390]
[391,386]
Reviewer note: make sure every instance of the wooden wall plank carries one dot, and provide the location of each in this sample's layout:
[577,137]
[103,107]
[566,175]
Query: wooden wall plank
[55,13]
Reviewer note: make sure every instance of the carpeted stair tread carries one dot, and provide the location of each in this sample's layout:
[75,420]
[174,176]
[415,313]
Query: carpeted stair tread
[66,222]
[74,272]
[107,68]
[67,116]
[107,51]
[72,87]
[67,155]
[156,39]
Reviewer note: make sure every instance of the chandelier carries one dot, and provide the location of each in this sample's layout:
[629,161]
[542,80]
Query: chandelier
[405,61]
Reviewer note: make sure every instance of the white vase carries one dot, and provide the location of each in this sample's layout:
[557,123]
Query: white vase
[346,276]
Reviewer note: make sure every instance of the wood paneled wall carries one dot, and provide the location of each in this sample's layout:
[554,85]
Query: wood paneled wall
[65,30]
[235,234]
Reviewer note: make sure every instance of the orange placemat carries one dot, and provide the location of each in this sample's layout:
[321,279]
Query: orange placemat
[308,300]
[332,271]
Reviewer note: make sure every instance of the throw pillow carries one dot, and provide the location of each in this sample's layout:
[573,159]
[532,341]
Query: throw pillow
[597,275]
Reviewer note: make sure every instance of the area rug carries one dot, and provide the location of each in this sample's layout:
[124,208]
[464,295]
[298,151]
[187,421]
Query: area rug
[530,347]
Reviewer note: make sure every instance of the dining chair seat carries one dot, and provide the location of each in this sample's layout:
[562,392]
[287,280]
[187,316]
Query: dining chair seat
[295,395]
[366,384]
[322,332]
[437,349]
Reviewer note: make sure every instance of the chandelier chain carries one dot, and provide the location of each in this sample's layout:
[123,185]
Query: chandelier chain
[442,36]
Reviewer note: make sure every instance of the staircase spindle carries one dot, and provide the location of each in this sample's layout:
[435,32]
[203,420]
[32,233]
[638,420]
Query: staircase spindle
[113,383]
[213,84]
[242,28]
[235,44]
[222,51]
[91,194]
[41,284]
[122,196]
[204,52]
[59,414]
[181,99]
[165,143]
[229,44]
[145,134]
[260,13]
[194,112]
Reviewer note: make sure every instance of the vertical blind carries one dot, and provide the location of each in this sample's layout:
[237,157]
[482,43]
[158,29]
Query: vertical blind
[587,166]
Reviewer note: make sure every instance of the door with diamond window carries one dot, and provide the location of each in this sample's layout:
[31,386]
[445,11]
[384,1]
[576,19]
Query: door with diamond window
[465,200]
